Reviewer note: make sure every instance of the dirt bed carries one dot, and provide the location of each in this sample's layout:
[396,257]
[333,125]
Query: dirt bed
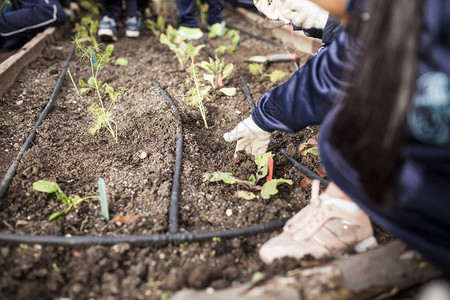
[138,172]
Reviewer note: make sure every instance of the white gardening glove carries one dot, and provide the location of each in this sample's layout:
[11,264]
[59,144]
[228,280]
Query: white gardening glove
[249,137]
[302,13]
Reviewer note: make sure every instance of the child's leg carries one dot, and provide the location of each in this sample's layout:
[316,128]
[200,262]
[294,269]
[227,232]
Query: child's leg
[112,9]
[131,9]
[186,13]
[215,11]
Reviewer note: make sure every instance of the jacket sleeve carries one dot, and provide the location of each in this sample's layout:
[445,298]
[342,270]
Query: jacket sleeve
[311,92]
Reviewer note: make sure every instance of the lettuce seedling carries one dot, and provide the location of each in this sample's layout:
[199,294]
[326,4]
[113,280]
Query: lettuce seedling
[264,168]
[51,187]
[235,38]
[157,27]
[257,70]
[217,72]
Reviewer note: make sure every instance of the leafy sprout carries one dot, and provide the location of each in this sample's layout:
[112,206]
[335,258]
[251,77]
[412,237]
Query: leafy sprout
[268,189]
[258,70]
[157,27]
[217,72]
[52,187]
[97,60]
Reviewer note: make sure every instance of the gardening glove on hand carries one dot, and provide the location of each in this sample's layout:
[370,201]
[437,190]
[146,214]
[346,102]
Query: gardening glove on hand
[302,13]
[249,137]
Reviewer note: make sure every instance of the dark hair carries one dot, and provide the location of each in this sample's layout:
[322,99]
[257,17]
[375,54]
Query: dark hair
[369,130]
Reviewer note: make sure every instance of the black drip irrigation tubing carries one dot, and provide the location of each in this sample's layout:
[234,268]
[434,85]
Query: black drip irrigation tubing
[173,209]
[154,239]
[13,168]
[258,37]
[282,151]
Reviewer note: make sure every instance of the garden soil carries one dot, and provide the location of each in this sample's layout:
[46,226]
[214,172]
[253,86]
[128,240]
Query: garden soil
[138,171]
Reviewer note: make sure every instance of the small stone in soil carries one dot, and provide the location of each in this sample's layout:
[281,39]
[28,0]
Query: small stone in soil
[229,212]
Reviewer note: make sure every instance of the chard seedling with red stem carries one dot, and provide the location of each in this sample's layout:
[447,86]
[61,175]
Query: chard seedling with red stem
[264,164]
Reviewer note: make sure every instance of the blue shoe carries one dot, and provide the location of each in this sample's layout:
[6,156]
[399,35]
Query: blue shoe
[107,29]
[133,26]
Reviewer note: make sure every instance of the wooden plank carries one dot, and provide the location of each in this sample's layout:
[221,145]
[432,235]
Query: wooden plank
[11,67]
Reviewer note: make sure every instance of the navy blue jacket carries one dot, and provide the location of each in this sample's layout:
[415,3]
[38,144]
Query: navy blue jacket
[28,18]
[421,218]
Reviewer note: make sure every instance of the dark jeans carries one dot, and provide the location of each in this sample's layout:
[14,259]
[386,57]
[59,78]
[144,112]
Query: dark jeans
[187,16]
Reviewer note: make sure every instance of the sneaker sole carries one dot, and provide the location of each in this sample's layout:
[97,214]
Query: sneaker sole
[366,244]
[107,35]
[195,37]
[132,33]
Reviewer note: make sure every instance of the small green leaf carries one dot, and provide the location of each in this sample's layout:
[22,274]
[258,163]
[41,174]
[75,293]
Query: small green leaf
[261,161]
[220,176]
[51,187]
[81,82]
[109,49]
[230,92]
[270,188]
[76,200]
[92,81]
[121,61]
[245,195]
[46,186]
[55,215]
[313,150]
[221,49]
[227,70]
[209,78]
[276,75]
[83,90]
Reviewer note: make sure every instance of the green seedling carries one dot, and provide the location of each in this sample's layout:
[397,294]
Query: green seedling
[51,187]
[217,72]
[98,60]
[235,38]
[258,70]
[198,93]
[157,27]
[264,170]
[203,8]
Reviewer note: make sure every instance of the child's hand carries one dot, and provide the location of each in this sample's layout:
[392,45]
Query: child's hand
[249,137]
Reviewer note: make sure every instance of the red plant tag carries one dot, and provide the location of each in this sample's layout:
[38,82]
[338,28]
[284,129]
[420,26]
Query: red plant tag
[306,183]
[321,172]
[270,168]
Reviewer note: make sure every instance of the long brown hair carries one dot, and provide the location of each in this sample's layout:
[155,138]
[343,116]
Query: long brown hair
[369,130]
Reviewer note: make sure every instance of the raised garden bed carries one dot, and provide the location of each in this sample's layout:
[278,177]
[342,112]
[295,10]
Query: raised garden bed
[138,171]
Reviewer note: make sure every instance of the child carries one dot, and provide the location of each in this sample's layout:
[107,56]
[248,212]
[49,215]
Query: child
[107,29]
[188,26]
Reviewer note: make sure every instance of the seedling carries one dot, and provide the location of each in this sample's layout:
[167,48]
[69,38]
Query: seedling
[98,60]
[197,93]
[258,70]
[264,168]
[203,7]
[157,27]
[235,38]
[51,187]
[217,72]
[183,51]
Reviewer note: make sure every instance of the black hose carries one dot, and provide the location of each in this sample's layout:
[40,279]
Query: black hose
[208,50]
[258,37]
[179,237]
[304,169]
[173,209]
[13,168]
[247,93]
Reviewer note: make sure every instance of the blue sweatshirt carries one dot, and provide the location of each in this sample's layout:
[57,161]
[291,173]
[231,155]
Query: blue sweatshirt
[421,217]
